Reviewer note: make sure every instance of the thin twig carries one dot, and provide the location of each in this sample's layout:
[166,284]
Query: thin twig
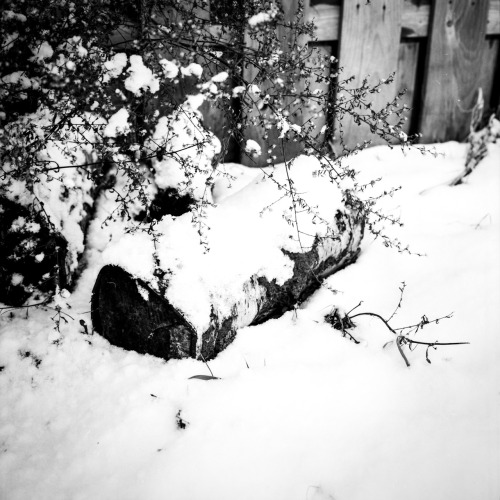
[430,344]
[355,307]
[402,289]
[402,339]
[205,361]
[26,306]
[424,322]
[376,316]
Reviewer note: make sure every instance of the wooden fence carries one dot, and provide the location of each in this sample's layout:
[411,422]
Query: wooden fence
[442,51]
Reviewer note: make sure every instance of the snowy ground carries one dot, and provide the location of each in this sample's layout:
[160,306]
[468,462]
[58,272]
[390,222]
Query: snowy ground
[299,412]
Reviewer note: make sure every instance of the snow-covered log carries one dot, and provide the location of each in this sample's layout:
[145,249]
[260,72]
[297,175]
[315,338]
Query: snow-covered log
[168,296]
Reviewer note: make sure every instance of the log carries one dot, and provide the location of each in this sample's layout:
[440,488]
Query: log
[133,314]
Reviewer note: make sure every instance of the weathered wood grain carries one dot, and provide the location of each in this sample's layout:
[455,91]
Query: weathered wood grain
[493,23]
[457,44]
[415,19]
[369,45]
[327,20]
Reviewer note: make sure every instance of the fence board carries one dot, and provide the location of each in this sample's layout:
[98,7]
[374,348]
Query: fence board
[327,21]
[415,19]
[457,43]
[369,45]
[493,24]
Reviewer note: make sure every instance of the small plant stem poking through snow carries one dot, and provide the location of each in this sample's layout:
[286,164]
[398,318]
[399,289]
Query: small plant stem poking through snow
[402,290]
[208,366]
[344,321]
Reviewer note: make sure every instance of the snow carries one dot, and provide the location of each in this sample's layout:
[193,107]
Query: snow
[115,66]
[193,69]
[141,77]
[189,150]
[18,77]
[9,14]
[231,178]
[253,148]
[194,102]
[42,51]
[118,124]
[298,411]
[262,17]
[220,77]
[238,90]
[64,193]
[17,279]
[21,224]
[170,69]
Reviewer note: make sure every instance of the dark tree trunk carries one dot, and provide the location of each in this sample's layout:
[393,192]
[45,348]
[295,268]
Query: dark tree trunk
[130,314]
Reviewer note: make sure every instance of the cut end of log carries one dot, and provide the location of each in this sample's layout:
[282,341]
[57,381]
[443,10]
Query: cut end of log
[128,313]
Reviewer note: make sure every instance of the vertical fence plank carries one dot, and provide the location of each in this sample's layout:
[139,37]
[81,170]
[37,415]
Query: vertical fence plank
[457,43]
[493,23]
[369,45]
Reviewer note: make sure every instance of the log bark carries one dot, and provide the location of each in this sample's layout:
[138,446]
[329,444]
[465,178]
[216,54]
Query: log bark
[131,314]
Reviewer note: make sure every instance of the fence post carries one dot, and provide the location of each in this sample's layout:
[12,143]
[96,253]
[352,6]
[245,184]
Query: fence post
[453,70]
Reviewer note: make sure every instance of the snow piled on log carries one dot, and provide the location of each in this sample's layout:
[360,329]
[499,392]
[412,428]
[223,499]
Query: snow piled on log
[245,235]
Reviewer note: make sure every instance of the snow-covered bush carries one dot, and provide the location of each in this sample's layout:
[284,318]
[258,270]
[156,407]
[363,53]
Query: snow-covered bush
[100,96]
